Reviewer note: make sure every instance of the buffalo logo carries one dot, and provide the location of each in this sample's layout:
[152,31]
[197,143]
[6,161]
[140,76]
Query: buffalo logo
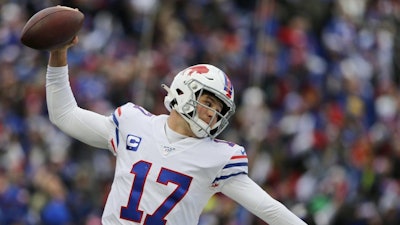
[200,69]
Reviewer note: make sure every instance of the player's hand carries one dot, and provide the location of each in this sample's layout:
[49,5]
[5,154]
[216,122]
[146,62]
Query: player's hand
[58,57]
[65,47]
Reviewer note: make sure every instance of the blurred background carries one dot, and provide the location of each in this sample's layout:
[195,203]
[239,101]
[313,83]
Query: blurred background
[317,93]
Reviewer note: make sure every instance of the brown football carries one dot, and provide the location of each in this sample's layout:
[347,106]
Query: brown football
[52,27]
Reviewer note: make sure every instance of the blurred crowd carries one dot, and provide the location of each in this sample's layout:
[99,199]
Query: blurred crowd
[317,93]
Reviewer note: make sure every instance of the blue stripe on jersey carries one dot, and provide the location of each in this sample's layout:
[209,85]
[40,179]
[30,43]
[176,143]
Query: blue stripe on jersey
[116,129]
[115,120]
[228,176]
[116,135]
[235,164]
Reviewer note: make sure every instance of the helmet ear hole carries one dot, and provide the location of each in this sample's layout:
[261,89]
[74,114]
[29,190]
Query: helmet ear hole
[173,103]
[179,91]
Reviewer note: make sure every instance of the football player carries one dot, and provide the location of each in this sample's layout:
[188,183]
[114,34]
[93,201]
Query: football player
[167,166]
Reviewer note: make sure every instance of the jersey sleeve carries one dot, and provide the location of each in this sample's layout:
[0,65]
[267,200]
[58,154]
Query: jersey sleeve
[124,115]
[83,125]
[116,117]
[236,165]
[251,196]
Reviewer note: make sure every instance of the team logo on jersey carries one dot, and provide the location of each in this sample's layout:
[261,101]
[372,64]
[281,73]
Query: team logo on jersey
[133,142]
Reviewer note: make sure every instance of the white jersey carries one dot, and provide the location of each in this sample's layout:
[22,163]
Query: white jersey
[157,182]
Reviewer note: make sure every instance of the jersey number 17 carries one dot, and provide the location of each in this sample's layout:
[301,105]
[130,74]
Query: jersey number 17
[141,170]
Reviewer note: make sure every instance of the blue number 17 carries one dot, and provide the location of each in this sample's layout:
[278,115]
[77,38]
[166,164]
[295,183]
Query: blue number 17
[141,170]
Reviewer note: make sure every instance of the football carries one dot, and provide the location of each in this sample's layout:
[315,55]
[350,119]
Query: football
[52,27]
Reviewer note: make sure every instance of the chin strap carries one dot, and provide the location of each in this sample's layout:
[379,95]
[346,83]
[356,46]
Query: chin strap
[199,127]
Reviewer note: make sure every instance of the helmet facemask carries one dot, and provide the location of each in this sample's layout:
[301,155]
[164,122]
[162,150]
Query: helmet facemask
[184,94]
[199,127]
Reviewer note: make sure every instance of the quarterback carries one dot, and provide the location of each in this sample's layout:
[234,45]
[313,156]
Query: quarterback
[167,166]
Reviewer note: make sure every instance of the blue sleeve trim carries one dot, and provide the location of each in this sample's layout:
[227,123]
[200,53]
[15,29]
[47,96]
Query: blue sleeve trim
[234,165]
[228,176]
[117,135]
[115,120]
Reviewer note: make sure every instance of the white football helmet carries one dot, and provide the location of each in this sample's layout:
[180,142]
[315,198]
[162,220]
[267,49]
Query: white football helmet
[186,88]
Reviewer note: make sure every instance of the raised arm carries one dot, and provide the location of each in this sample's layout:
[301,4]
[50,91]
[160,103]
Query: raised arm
[86,126]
